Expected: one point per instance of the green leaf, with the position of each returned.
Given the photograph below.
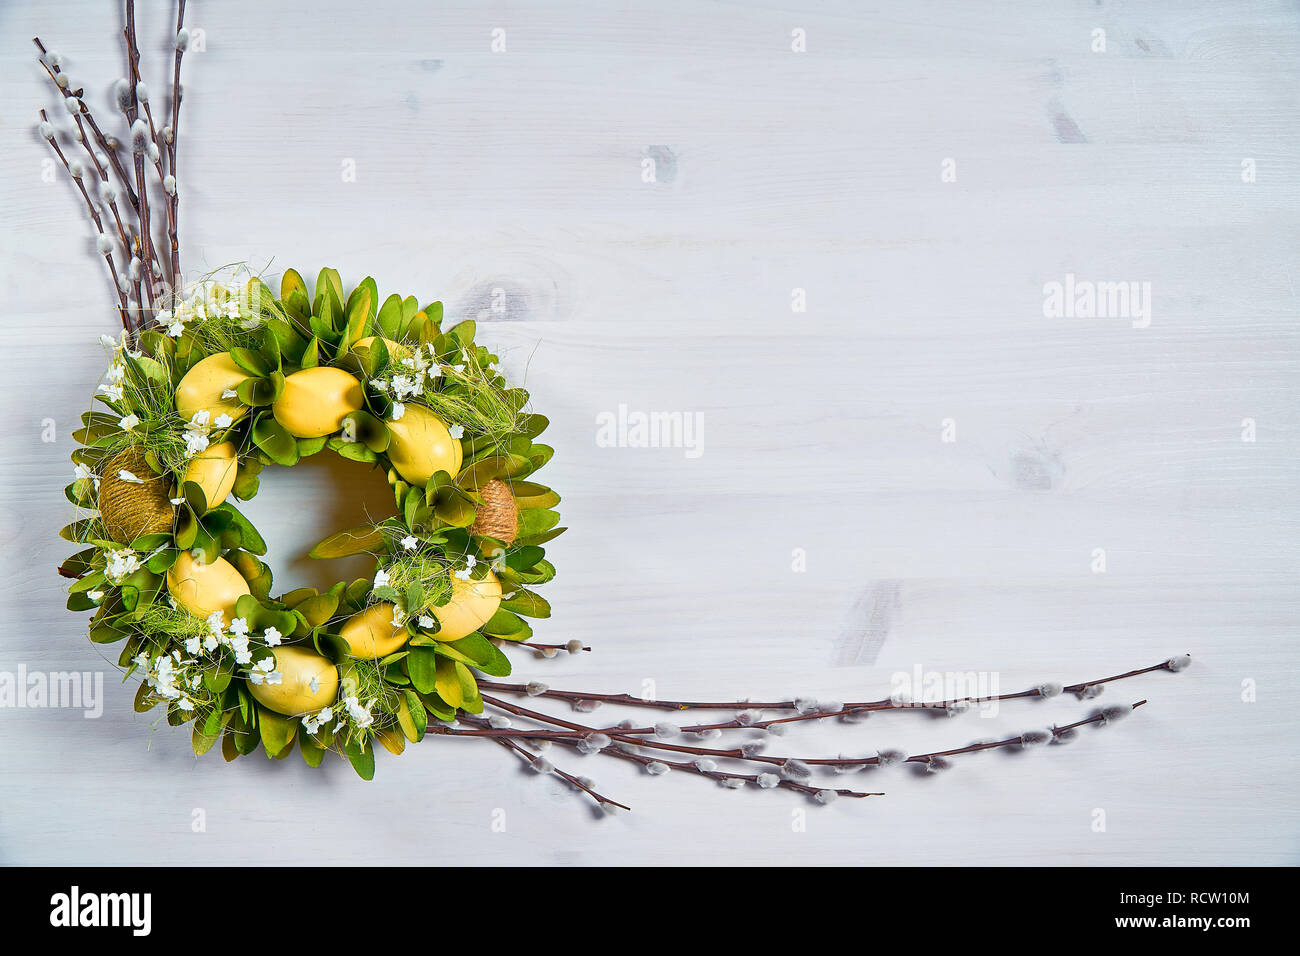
(367, 429)
(312, 754)
(361, 539)
(421, 667)
(528, 603)
(277, 731)
(411, 716)
(290, 282)
(260, 392)
(508, 626)
(194, 497)
(251, 361)
(274, 439)
(249, 538)
(311, 354)
(389, 319)
(319, 609)
(447, 682)
(362, 759)
(529, 494)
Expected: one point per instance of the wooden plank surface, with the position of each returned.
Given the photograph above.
(823, 430)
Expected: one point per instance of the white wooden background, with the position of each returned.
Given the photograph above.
(777, 170)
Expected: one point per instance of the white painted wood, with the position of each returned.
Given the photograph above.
(777, 170)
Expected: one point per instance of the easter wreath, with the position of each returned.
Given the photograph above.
(236, 380)
(214, 380)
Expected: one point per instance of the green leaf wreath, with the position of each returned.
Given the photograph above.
(237, 379)
(214, 380)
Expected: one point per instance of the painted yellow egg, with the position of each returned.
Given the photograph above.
(395, 349)
(214, 470)
(205, 588)
(370, 634)
(471, 606)
(202, 386)
(308, 683)
(421, 445)
(315, 401)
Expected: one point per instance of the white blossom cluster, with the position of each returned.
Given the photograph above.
(171, 677)
(209, 298)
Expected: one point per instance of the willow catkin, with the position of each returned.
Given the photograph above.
(497, 517)
(128, 508)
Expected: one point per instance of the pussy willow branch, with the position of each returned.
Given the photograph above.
(109, 149)
(689, 767)
(146, 254)
(851, 708)
(173, 197)
(570, 779)
(1018, 741)
(932, 761)
(99, 226)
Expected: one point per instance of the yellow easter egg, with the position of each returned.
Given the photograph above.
(203, 589)
(308, 683)
(396, 350)
(316, 400)
(472, 605)
(370, 634)
(201, 388)
(214, 470)
(420, 445)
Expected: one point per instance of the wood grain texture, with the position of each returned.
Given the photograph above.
(522, 172)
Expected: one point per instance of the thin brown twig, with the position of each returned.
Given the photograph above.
(173, 198)
(510, 741)
(850, 708)
(108, 148)
(132, 114)
(99, 226)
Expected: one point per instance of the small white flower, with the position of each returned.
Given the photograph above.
(82, 471)
(398, 411)
(239, 626)
(313, 723)
(195, 442)
(456, 431)
(185, 704)
(272, 637)
(264, 672)
(242, 654)
(381, 578)
(130, 478)
(95, 595)
(410, 543)
(223, 421)
(404, 385)
(120, 564)
(192, 645)
(229, 393)
(216, 623)
(129, 422)
(425, 621)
